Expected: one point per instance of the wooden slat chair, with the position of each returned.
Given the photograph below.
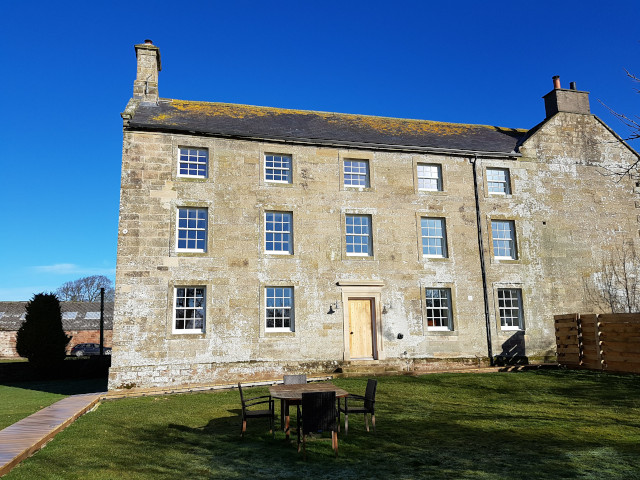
(366, 407)
(251, 402)
(284, 405)
(319, 414)
(294, 379)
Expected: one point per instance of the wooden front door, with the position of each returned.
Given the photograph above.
(361, 328)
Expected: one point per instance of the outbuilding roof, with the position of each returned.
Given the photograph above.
(75, 315)
(335, 129)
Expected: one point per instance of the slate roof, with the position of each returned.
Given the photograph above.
(337, 129)
(75, 315)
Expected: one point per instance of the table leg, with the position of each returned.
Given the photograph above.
(287, 419)
(281, 414)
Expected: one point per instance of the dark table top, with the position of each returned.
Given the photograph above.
(294, 392)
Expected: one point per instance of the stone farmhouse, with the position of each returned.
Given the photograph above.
(258, 241)
(80, 320)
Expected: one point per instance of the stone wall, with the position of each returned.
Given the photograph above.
(8, 344)
(566, 213)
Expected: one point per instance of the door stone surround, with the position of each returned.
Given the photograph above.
(363, 289)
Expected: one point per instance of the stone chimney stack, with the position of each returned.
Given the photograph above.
(145, 87)
(563, 100)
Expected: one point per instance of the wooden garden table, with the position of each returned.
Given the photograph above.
(292, 395)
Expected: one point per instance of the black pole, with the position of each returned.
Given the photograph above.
(487, 318)
(101, 322)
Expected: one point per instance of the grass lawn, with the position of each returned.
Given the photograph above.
(19, 400)
(533, 425)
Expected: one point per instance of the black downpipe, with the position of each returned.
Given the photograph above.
(485, 295)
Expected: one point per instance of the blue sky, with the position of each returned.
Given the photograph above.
(68, 70)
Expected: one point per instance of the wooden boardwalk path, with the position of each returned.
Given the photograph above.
(30, 434)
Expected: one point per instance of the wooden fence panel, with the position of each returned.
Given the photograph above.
(568, 339)
(620, 317)
(602, 342)
(591, 342)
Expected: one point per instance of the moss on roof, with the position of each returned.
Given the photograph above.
(279, 123)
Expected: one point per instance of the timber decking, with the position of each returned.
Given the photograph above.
(30, 434)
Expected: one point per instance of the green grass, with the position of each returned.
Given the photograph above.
(533, 425)
(19, 400)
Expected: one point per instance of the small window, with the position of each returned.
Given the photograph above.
(356, 173)
(438, 309)
(429, 177)
(358, 235)
(504, 239)
(510, 308)
(189, 310)
(193, 162)
(434, 237)
(498, 181)
(192, 230)
(277, 168)
(278, 230)
(279, 309)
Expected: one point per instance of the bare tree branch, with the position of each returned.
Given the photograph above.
(86, 289)
(616, 288)
(633, 125)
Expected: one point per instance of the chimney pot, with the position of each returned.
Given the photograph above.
(148, 42)
(568, 101)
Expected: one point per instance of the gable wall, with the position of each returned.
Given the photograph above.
(569, 214)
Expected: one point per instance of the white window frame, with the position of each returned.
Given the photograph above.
(430, 234)
(193, 159)
(510, 301)
(429, 177)
(504, 239)
(442, 294)
(187, 225)
(355, 234)
(183, 303)
(274, 231)
(280, 170)
(361, 173)
(498, 181)
(287, 311)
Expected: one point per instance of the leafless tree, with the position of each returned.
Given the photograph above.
(86, 289)
(616, 288)
(632, 122)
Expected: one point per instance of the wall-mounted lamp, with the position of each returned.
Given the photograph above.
(333, 307)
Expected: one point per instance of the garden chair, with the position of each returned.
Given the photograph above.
(294, 379)
(352, 404)
(251, 402)
(284, 405)
(319, 414)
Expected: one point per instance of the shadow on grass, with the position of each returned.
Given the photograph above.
(73, 376)
(431, 432)
(546, 425)
(63, 387)
(431, 449)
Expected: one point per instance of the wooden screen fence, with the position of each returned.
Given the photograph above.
(600, 342)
